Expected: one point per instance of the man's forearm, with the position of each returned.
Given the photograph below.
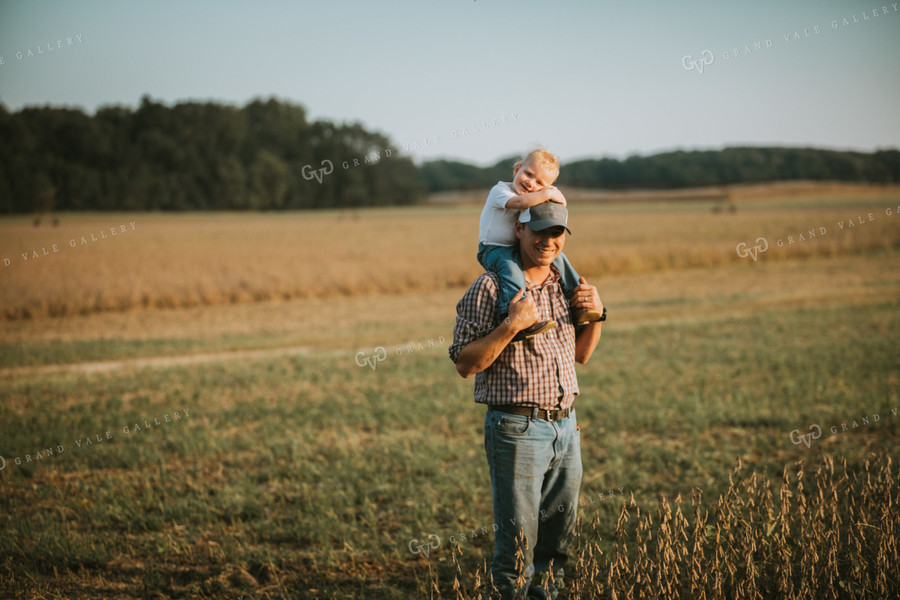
(586, 341)
(477, 356)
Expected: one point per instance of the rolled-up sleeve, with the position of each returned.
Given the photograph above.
(476, 313)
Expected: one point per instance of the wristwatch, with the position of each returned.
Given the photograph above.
(603, 316)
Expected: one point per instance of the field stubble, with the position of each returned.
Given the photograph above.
(178, 261)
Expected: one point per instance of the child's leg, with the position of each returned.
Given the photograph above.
(569, 278)
(506, 263)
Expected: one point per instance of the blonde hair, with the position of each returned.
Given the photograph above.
(541, 156)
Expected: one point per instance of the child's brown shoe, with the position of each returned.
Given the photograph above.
(539, 327)
(586, 315)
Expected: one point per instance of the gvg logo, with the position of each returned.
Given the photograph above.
(371, 360)
(690, 63)
(380, 353)
(815, 432)
(310, 173)
(416, 548)
(762, 244)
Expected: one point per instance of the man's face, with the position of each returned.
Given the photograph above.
(540, 248)
(532, 177)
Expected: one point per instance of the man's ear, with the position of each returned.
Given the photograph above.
(519, 227)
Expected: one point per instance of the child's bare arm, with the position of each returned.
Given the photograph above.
(530, 199)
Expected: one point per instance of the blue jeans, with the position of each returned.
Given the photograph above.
(506, 262)
(535, 477)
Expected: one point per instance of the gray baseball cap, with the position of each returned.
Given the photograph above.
(545, 215)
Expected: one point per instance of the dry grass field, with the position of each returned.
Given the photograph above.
(299, 473)
(202, 259)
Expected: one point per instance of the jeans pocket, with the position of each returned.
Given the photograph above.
(513, 425)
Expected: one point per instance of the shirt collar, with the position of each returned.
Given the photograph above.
(552, 277)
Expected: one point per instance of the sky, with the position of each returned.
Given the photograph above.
(479, 80)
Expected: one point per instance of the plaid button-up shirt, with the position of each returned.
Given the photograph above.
(539, 371)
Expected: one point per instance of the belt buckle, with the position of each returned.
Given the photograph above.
(550, 415)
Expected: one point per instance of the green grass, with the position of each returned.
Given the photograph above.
(58, 352)
(321, 472)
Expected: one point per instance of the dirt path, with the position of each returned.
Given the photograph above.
(157, 361)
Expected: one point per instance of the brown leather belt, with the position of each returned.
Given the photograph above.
(533, 412)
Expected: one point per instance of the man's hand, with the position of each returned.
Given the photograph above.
(478, 355)
(586, 340)
(554, 195)
(522, 311)
(586, 296)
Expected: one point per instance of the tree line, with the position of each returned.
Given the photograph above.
(267, 155)
(681, 169)
(195, 156)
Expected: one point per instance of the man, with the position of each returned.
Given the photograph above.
(530, 433)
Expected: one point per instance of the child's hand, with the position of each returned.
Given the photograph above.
(554, 195)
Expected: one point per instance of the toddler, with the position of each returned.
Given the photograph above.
(498, 246)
